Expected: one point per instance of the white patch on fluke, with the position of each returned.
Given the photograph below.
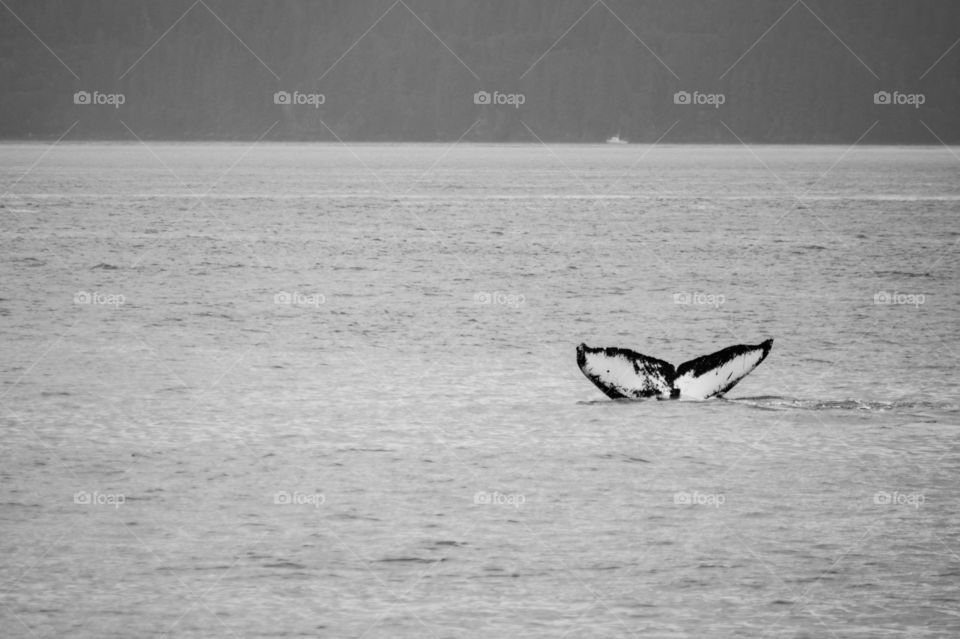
(622, 373)
(713, 379)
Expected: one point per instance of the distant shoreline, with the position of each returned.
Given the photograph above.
(918, 145)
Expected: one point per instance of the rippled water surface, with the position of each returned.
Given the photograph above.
(296, 390)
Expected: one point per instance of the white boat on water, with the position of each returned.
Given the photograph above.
(616, 139)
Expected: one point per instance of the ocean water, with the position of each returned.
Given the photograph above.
(284, 390)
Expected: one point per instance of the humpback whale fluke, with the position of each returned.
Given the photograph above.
(622, 373)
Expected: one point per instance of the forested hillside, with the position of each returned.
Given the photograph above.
(386, 70)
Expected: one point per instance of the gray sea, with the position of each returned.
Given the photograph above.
(297, 390)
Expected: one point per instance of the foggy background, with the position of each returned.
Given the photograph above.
(802, 71)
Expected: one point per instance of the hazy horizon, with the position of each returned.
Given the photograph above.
(791, 72)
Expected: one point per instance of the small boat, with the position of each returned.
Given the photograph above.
(616, 139)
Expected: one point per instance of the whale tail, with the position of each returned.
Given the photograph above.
(623, 373)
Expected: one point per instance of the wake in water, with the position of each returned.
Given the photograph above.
(778, 402)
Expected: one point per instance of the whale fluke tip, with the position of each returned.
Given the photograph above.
(581, 354)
